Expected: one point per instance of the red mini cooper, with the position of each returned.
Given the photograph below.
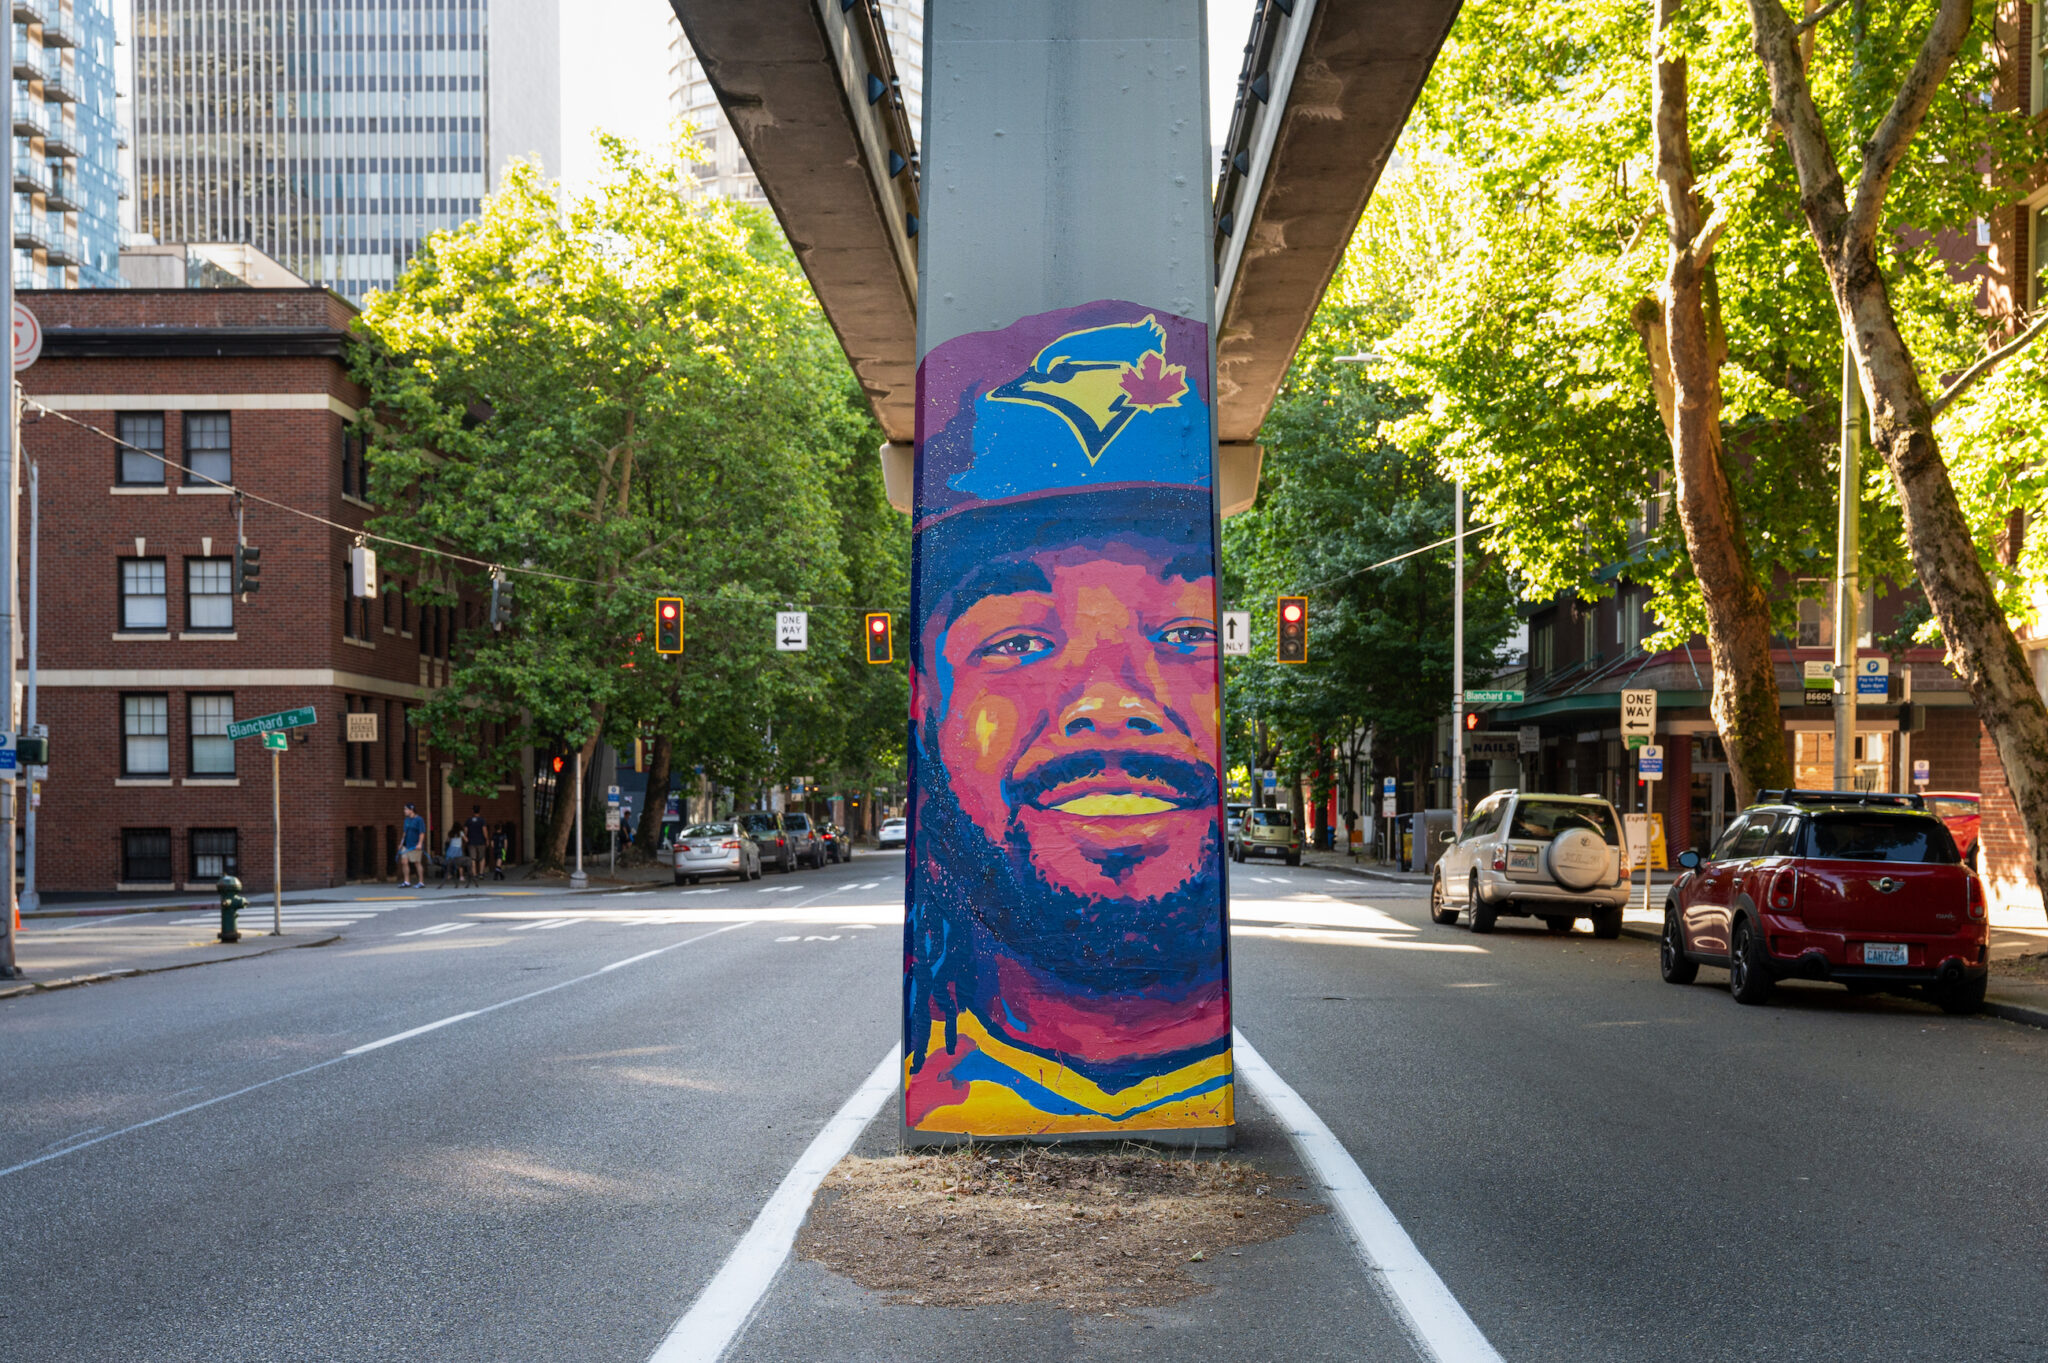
(1867, 890)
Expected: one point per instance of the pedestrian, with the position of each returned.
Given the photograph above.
(456, 863)
(476, 840)
(501, 849)
(412, 850)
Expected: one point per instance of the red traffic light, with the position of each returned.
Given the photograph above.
(558, 764)
(881, 637)
(1471, 719)
(668, 624)
(1292, 640)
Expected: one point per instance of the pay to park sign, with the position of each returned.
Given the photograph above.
(266, 724)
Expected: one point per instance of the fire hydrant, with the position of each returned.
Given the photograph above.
(231, 903)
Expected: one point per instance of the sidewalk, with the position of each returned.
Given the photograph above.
(117, 948)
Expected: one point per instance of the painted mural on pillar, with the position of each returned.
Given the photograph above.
(1066, 959)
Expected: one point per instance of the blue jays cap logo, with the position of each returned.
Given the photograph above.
(1115, 397)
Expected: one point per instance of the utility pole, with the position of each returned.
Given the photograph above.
(1458, 661)
(31, 900)
(8, 475)
(577, 879)
(1848, 551)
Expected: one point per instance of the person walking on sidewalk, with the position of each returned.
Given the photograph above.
(412, 850)
(456, 865)
(476, 841)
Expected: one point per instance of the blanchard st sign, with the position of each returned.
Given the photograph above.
(268, 724)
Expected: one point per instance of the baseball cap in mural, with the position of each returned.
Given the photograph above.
(1105, 395)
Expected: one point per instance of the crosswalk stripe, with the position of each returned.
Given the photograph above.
(437, 929)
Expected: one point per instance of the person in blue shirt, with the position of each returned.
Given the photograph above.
(412, 850)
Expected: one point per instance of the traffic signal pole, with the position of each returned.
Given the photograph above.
(1458, 660)
(1848, 587)
(8, 477)
(276, 852)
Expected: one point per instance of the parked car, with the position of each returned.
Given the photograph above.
(714, 849)
(1233, 822)
(892, 833)
(1267, 833)
(1554, 857)
(803, 836)
(767, 829)
(838, 846)
(1960, 810)
(1865, 890)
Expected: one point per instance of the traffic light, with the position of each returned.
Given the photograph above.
(1471, 720)
(248, 567)
(1293, 632)
(501, 600)
(668, 624)
(881, 637)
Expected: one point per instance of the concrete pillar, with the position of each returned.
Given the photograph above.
(1066, 874)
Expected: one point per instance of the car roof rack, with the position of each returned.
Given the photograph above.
(1875, 799)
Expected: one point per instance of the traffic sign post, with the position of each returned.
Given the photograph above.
(1638, 718)
(1873, 678)
(792, 632)
(1819, 683)
(1650, 762)
(274, 729)
(1237, 634)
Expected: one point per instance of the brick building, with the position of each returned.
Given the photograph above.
(146, 653)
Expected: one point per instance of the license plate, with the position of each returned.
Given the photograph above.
(1884, 953)
(1521, 861)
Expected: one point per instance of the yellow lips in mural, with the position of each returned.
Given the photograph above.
(1116, 804)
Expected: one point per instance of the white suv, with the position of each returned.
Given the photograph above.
(1554, 857)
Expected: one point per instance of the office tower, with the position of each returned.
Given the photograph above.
(724, 169)
(67, 179)
(335, 135)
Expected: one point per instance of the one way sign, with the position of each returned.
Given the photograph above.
(1237, 634)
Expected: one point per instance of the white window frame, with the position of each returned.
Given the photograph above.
(206, 732)
(145, 728)
(133, 574)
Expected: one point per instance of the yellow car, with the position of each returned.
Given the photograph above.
(1267, 833)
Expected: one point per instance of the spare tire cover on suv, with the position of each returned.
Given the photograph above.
(1576, 859)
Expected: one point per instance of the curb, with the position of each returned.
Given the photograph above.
(49, 986)
(2024, 1014)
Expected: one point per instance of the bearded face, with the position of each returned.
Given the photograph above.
(1071, 703)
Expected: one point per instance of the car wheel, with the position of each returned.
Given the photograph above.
(682, 879)
(1748, 979)
(1967, 997)
(1558, 923)
(755, 874)
(1607, 924)
(1294, 858)
(1484, 915)
(1672, 963)
(1439, 911)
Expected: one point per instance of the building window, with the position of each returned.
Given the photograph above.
(146, 856)
(206, 449)
(146, 734)
(405, 742)
(143, 603)
(134, 468)
(213, 752)
(2037, 240)
(355, 474)
(1542, 648)
(390, 594)
(2039, 16)
(210, 594)
(213, 853)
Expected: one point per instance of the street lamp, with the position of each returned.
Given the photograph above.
(1457, 628)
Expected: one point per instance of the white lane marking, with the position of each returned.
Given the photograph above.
(437, 928)
(730, 1299)
(407, 1035)
(1434, 1320)
(780, 889)
(871, 885)
(351, 1054)
(544, 923)
(559, 923)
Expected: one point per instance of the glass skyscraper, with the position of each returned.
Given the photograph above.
(334, 135)
(67, 177)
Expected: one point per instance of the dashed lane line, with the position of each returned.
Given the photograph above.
(730, 1299)
(364, 1049)
(1431, 1316)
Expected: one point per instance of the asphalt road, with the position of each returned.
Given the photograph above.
(1599, 1166)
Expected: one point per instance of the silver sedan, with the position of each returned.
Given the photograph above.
(715, 849)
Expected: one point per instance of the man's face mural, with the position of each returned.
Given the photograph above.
(1066, 918)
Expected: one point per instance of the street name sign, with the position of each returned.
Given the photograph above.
(792, 632)
(1493, 697)
(1873, 678)
(264, 724)
(1237, 634)
(1650, 762)
(1638, 718)
(278, 740)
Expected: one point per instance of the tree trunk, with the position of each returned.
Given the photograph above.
(651, 817)
(1981, 645)
(1745, 697)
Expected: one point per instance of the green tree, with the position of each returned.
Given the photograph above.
(625, 395)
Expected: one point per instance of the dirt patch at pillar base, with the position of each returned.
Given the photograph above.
(1086, 1231)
